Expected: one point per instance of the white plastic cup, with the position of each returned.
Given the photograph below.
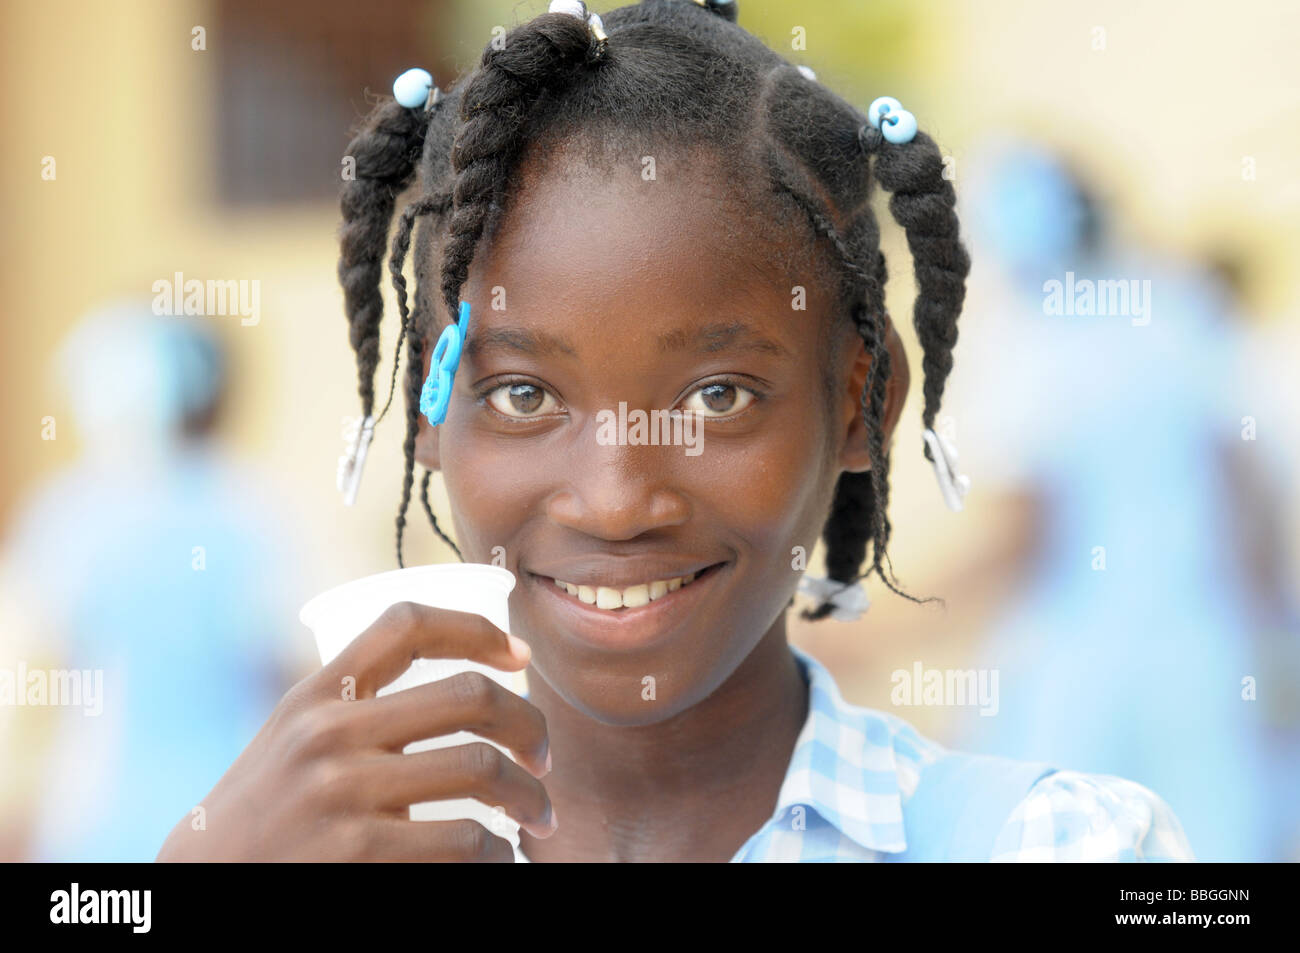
(339, 615)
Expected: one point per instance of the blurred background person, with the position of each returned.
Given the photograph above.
(1132, 646)
(160, 562)
(1264, 473)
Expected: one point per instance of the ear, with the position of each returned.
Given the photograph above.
(855, 457)
(426, 438)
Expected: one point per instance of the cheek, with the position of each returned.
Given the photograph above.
(765, 488)
(771, 491)
(491, 490)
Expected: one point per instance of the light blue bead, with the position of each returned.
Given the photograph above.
(885, 104)
(899, 127)
(411, 89)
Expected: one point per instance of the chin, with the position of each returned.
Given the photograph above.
(627, 698)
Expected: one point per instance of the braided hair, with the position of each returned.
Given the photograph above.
(673, 73)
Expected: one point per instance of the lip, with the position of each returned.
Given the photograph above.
(619, 573)
(624, 629)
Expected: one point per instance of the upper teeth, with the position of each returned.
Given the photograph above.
(605, 597)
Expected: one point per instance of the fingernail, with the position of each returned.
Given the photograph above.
(519, 648)
(555, 821)
(548, 760)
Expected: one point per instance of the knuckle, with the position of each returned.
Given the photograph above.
(313, 733)
(472, 689)
(301, 690)
(401, 615)
(329, 781)
(301, 698)
(331, 727)
(354, 840)
(484, 763)
(471, 841)
(299, 736)
(500, 851)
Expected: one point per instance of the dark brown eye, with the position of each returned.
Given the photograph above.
(719, 400)
(525, 398)
(520, 400)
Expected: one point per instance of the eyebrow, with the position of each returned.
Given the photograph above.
(722, 336)
(709, 338)
(521, 340)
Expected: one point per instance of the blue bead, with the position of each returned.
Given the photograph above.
(899, 127)
(411, 89)
(881, 106)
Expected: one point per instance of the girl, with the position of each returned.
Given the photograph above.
(652, 212)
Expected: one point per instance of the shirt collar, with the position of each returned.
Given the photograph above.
(845, 766)
(851, 765)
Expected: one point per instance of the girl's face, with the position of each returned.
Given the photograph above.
(604, 290)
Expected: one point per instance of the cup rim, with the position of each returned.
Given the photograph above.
(497, 576)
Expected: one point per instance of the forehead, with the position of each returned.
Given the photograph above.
(645, 245)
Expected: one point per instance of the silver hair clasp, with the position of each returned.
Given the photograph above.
(351, 465)
(952, 484)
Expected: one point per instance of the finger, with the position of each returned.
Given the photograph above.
(407, 631)
(468, 701)
(406, 841)
(477, 770)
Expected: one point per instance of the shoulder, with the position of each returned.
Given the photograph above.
(860, 735)
(1072, 816)
(940, 804)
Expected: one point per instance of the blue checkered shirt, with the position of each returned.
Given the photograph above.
(852, 793)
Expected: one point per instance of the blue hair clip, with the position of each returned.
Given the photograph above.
(436, 394)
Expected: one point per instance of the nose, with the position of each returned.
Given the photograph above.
(619, 493)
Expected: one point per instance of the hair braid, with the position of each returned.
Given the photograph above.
(881, 498)
(415, 363)
(385, 153)
(542, 55)
(923, 202)
(433, 520)
(396, 260)
(859, 510)
(414, 384)
(494, 107)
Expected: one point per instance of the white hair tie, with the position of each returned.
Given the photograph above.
(576, 8)
(848, 600)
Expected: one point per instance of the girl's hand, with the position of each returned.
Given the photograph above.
(325, 778)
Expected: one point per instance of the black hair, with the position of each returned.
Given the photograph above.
(672, 73)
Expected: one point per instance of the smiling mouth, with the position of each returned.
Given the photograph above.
(616, 599)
